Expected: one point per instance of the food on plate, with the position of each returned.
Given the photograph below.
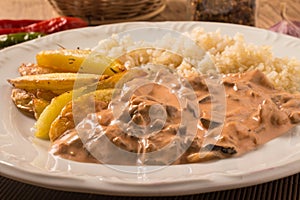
(49, 114)
(57, 83)
(260, 102)
(221, 54)
(31, 103)
(53, 110)
(255, 114)
(75, 60)
(65, 121)
(65, 60)
(23, 100)
(39, 106)
(33, 69)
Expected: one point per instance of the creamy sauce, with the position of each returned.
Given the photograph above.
(250, 114)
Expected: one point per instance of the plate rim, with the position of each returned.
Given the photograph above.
(22, 174)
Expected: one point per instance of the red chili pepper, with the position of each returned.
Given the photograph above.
(49, 26)
(7, 23)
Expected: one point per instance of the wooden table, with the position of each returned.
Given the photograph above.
(268, 11)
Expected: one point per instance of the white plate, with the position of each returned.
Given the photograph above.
(25, 158)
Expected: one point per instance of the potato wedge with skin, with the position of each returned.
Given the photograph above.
(76, 60)
(49, 114)
(88, 103)
(63, 60)
(39, 106)
(58, 83)
(44, 94)
(110, 82)
(97, 63)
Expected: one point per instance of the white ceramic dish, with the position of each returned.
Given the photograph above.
(25, 158)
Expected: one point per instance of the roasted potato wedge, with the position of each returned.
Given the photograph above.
(110, 82)
(88, 103)
(99, 64)
(83, 61)
(53, 110)
(58, 83)
(63, 60)
(33, 69)
(49, 114)
(44, 94)
(38, 106)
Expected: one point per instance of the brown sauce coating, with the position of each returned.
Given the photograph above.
(250, 114)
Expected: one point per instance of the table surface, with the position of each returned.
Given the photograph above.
(267, 15)
(268, 11)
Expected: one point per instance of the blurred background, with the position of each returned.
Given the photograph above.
(268, 12)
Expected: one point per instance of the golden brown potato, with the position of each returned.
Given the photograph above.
(38, 106)
(53, 110)
(88, 103)
(77, 60)
(48, 115)
(58, 83)
(62, 60)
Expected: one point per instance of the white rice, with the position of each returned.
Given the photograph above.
(232, 55)
(209, 52)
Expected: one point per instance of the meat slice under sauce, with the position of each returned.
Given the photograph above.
(250, 113)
